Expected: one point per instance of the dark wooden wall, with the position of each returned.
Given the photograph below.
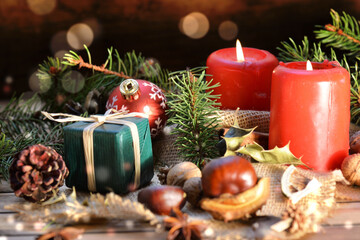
(151, 27)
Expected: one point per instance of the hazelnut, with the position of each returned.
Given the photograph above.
(181, 172)
(161, 199)
(355, 142)
(193, 190)
(350, 168)
(231, 174)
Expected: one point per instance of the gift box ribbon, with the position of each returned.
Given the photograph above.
(98, 120)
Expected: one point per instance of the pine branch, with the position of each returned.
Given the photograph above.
(20, 127)
(6, 151)
(130, 66)
(72, 61)
(291, 51)
(55, 75)
(342, 34)
(189, 109)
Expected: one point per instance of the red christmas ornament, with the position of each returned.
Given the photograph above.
(140, 96)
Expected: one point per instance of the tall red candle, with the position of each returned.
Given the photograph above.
(311, 110)
(244, 84)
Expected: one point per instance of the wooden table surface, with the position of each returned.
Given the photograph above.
(344, 224)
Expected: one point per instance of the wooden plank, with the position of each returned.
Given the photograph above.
(5, 186)
(97, 236)
(346, 213)
(10, 227)
(8, 198)
(336, 232)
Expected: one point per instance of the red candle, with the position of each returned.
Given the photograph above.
(311, 110)
(245, 84)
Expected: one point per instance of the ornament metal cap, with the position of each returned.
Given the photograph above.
(130, 89)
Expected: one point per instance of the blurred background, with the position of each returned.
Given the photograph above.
(177, 33)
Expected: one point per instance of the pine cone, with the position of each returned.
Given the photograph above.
(36, 171)
(301, 222)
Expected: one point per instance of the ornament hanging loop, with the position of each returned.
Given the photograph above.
(130, 89)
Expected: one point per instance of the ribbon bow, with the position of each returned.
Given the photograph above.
(88, 141)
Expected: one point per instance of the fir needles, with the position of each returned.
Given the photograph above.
(190, 108)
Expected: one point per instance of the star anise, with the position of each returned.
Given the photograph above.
(68, 233)
(182, 228)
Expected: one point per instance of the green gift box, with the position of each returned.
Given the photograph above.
(113, 156)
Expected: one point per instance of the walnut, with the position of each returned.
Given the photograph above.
(193, 189)
(181, 172)
(350, 168)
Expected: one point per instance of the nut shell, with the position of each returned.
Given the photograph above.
(355, 142)
(231, 174)
(181, 172)
(231, 207)
(193, 190)
(161, 199)
(350, 168)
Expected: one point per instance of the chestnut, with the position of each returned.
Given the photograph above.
(231, 174)
(161, 199)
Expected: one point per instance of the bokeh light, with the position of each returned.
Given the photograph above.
(59, 42)
(348, 224)
(78, 35)
(228, 30)
(7, 89)
(95, 26)
(19, 227)
(60, 54)
(146, 109)
(102, 174)
(194, 25)
(41, 7)
(9, 79)
(73, 82)
(38, 85)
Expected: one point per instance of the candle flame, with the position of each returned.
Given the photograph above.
(239, 52)
(309, 66)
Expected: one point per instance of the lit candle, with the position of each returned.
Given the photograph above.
(244, 75)
(311, 110)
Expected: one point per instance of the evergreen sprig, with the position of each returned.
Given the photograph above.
(6, 151)
(131, 65)
(21, 126)
(342, 34)
(291, 51)
(190, 107)
(18, 117)
(55, 74)
(51, 74)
